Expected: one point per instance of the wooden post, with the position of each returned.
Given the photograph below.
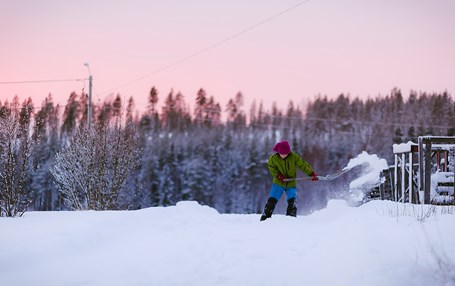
(395, 177)
(421, 157)
(410, 178)
(427, 186)
(89, 108)
(403, 176)
(451, 168)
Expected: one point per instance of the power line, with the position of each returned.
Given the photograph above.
(42, 81)
(208, 48)
(179, 61)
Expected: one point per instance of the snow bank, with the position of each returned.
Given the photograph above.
(189, 244)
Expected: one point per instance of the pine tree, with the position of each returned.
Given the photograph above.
(235, 116)
(169, 115)
(46, 195)
(201, 102)
(212, 117)
(152, 101)
(70, 115)
(130, 111)
(117, 106)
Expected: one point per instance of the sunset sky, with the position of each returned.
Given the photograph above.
(270, 50)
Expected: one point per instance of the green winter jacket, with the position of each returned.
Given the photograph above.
(288, 167)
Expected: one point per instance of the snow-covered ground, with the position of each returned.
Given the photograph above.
(379, 243)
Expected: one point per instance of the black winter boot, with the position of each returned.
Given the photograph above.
(268, 209)
(292, 208)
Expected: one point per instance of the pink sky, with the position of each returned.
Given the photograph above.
(329, 47)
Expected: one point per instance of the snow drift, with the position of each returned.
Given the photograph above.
(190, 244)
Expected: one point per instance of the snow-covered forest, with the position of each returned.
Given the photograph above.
(213, 154)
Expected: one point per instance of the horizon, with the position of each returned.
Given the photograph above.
(246, 109)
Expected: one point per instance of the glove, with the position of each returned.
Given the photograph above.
(315, 176)
(281, 178)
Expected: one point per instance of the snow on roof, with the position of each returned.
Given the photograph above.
(407, 147)
(403, 147)
(445, 147)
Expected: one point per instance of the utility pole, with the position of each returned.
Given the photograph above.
(89, 109)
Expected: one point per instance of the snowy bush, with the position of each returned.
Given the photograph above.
(91, 171)
(15, 149)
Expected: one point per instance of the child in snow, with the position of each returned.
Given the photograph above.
(283, 165)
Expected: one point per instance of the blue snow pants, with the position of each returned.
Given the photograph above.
(278, 190)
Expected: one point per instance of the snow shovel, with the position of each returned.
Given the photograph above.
(320, 178)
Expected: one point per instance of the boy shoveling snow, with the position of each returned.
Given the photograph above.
(283, 166)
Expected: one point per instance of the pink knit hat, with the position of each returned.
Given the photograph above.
(282, 148)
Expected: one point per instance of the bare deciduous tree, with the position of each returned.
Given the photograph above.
(92, 170)
(15, 149)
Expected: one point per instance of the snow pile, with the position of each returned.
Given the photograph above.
(189, 244)
(441, 190)
(370, 176)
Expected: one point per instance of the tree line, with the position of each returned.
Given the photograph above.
(51, 160)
